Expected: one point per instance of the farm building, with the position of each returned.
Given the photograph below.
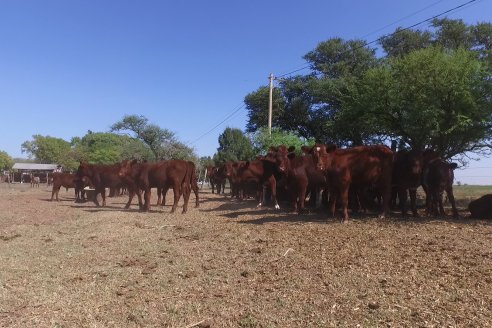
(22, 171)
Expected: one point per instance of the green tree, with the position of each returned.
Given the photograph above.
(431, 98)
(262, 140)
(257, 106)
(162, 142)
(46, 149)
(402, 41)
(233, 146)
(6, 162)
(109, 148)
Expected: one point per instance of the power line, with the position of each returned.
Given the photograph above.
(216, 126)
(391, 34)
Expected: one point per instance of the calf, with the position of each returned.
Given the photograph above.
(360, 167)
(438, 177)
(67, 180)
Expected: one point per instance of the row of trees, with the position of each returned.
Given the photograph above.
(430, 89)
(132, 137)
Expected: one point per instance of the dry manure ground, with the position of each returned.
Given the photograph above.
(228, 264)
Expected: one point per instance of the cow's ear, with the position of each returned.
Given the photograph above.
(135, 161)
(273, 149)
(453, 165)
(291, 149)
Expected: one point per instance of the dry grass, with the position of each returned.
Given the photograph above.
(228, 264)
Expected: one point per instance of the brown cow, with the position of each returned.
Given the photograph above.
(193, 183)
(67, 180)
(106, 176)
(438, 177)
(359, 167)
(174, 174)
(481, 208)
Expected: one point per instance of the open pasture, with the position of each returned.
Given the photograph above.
(229, 264)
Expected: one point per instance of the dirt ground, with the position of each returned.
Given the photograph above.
(229, 264)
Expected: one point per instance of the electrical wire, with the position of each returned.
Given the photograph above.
(394, 33)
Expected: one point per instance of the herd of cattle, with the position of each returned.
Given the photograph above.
(358, 177)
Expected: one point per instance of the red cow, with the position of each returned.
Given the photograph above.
(438, 177)
(193, 183)
(165, 174)
(106, 176)
(67, 180)
(301, 175)
(359, 167)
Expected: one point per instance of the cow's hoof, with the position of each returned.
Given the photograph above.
(277, 207)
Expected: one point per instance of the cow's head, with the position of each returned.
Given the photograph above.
(322, 155)
(126, 168)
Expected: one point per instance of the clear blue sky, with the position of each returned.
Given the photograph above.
(71, 66)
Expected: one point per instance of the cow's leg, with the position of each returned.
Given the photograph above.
(273, 186)
(344, 194)
(147, 195)
(449, 192)
(103, 195)
(54, 191)
(186, 189)
(177, 195)
(332, 202)
(402, 197)
(195, 190)
(159, 197)
(131, 193)
(413, 201)
(302, 196)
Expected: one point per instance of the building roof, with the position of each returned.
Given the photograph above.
(34, 167)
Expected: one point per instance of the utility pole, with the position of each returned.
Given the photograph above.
(270, 105)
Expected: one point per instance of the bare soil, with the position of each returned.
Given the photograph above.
(229, 264)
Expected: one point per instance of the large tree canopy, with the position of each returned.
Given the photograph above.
(431, 89)
(109, 148)
(430, 98)
(162, 142)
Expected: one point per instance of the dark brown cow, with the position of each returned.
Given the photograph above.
(301, 175)
(359, 167)
(259, 172)
(438, 177)
(217, 180)
(106, 176)
(481, 208)
(407, 175)
(165, 174)
(67, 180)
